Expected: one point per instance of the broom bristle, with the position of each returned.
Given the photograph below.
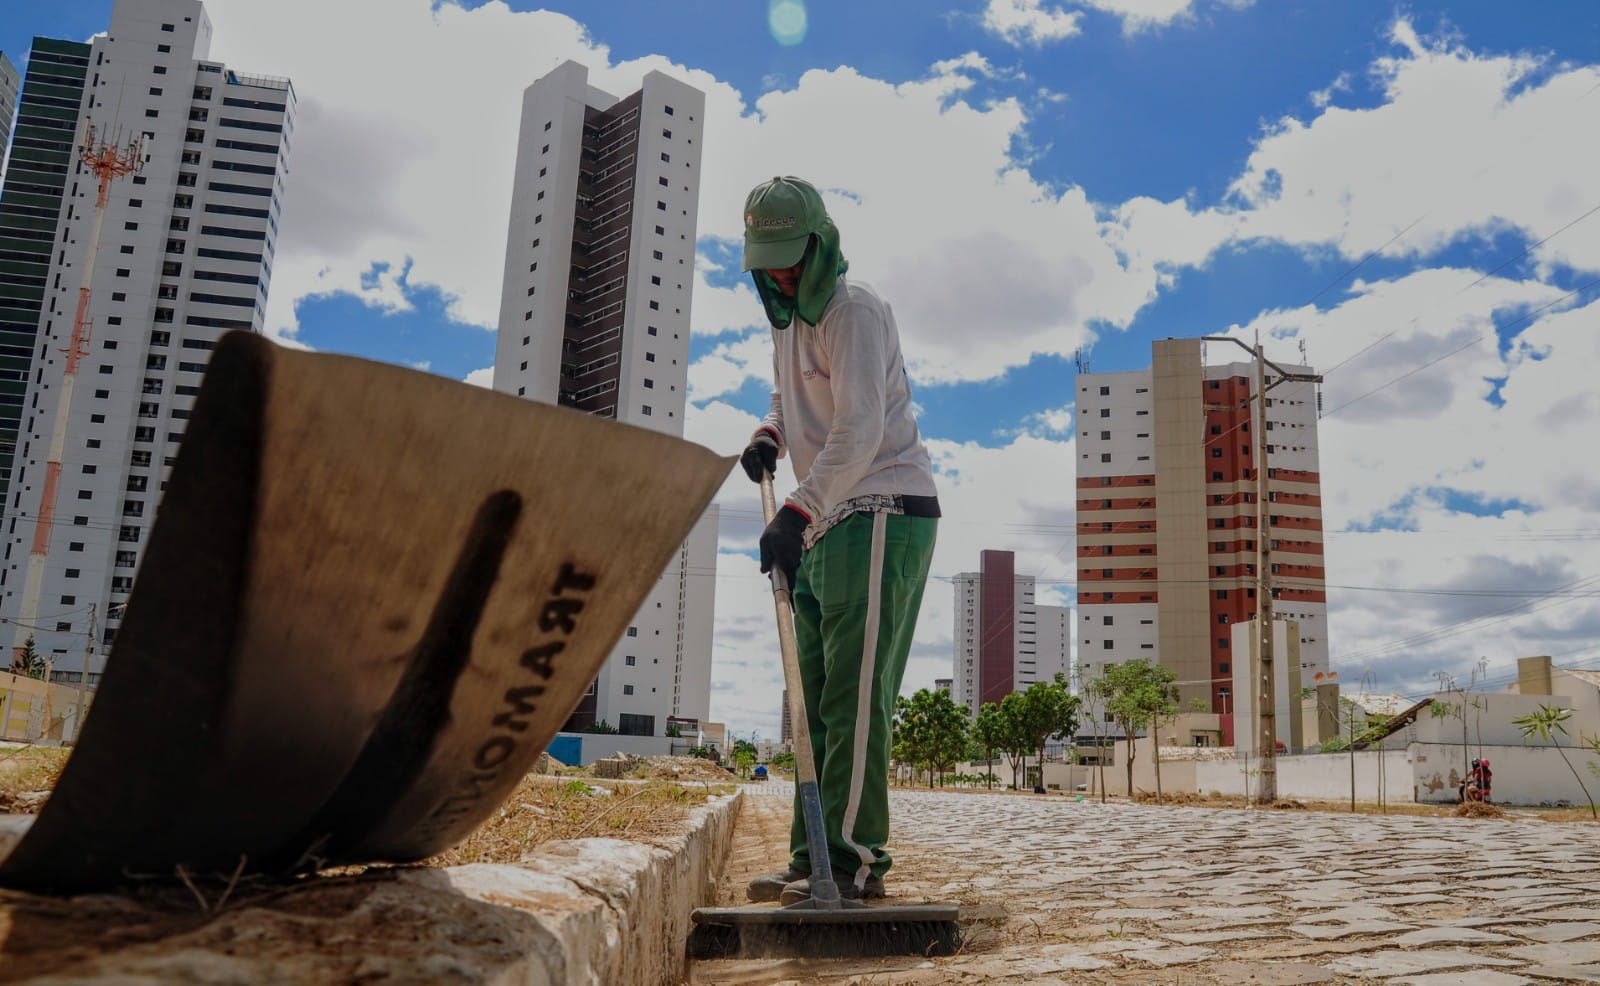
(824, 941)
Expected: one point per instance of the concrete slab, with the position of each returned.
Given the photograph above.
(1390, 962)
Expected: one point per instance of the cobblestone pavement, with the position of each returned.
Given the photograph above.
(1055, 890)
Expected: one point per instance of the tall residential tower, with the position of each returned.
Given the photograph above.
(10, 82)
(594, 316)
(1167, 517)
(184, 254)
(1004, 641)
(30, 209)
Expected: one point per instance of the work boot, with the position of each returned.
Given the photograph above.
(771, 886)
(800, 890)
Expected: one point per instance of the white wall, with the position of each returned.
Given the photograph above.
(1523, 775)
(1489, 719)
(1316, 777)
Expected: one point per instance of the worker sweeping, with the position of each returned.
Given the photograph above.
(855, 538)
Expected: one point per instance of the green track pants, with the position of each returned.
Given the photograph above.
(856, 598)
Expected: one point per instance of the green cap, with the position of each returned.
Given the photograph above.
(779, 217)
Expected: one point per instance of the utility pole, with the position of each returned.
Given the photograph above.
(107, 160)
(83, 679)
(1266, 694)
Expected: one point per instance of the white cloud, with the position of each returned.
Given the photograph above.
(1470, 144)
(1143, 15)
(1029, 22)
(1322, 97)
(481, 378)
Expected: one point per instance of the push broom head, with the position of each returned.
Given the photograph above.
(801, 932)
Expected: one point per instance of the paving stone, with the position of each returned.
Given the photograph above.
(1476, 977)
(1376, 965)
(1566, 973)
(1270, 973)
(1219, 937)
(1564, 953)
(1346, 929)
(1449, 936)
(1549, 933)
(1175, 955)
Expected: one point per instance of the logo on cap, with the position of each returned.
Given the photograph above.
(751, 221)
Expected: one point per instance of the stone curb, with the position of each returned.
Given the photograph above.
(581, 911)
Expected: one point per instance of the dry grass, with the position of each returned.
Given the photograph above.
(1478, 809)
(26, 772)
(546, 809)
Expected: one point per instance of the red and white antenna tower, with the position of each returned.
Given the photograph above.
(108, 160)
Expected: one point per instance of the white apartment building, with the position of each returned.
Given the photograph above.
(185, 254)
(594, 315)
(1004, 641)
(1167, 517)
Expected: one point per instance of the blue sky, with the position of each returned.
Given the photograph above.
(1022, 178)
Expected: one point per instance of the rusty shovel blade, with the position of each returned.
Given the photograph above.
(369, 600)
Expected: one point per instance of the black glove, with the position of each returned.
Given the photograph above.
(760, 457)
(780, 545)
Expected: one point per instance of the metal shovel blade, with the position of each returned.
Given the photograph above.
(370, 599)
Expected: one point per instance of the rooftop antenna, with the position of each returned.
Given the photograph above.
(108, 160)
(1081, 360)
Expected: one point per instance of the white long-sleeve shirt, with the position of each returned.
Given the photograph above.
(841, 409)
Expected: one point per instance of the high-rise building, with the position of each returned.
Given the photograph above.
(786, 725)
(30, 208)
(184, 254)
(10, 82)
(998, 633)
(1167, 517)
(594, 315)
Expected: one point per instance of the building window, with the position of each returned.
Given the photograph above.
(655, 279)
(1105, 456)
(630, 660)
(1105, 391)
(650, 329)
(665, 157)
(646, 409)
(1222, 618)
(662, 180)
(633, 631)
(627, 689)
(649, 357)
(1105, 412)
(1222, 642)
(1106, 645)
(667, 134)
(540, 196)
(1216, 477)
(669, 110)
(1106, 620)
(547, 124)
(661, 231)
(538, 219)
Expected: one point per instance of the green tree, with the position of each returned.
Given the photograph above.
(32, 664)
(1546, 724)
(1092, 698)
(1046, 709)
(987, 735)
(931, 730)
(1137, 693)
(744, 756)
(1014, 741)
